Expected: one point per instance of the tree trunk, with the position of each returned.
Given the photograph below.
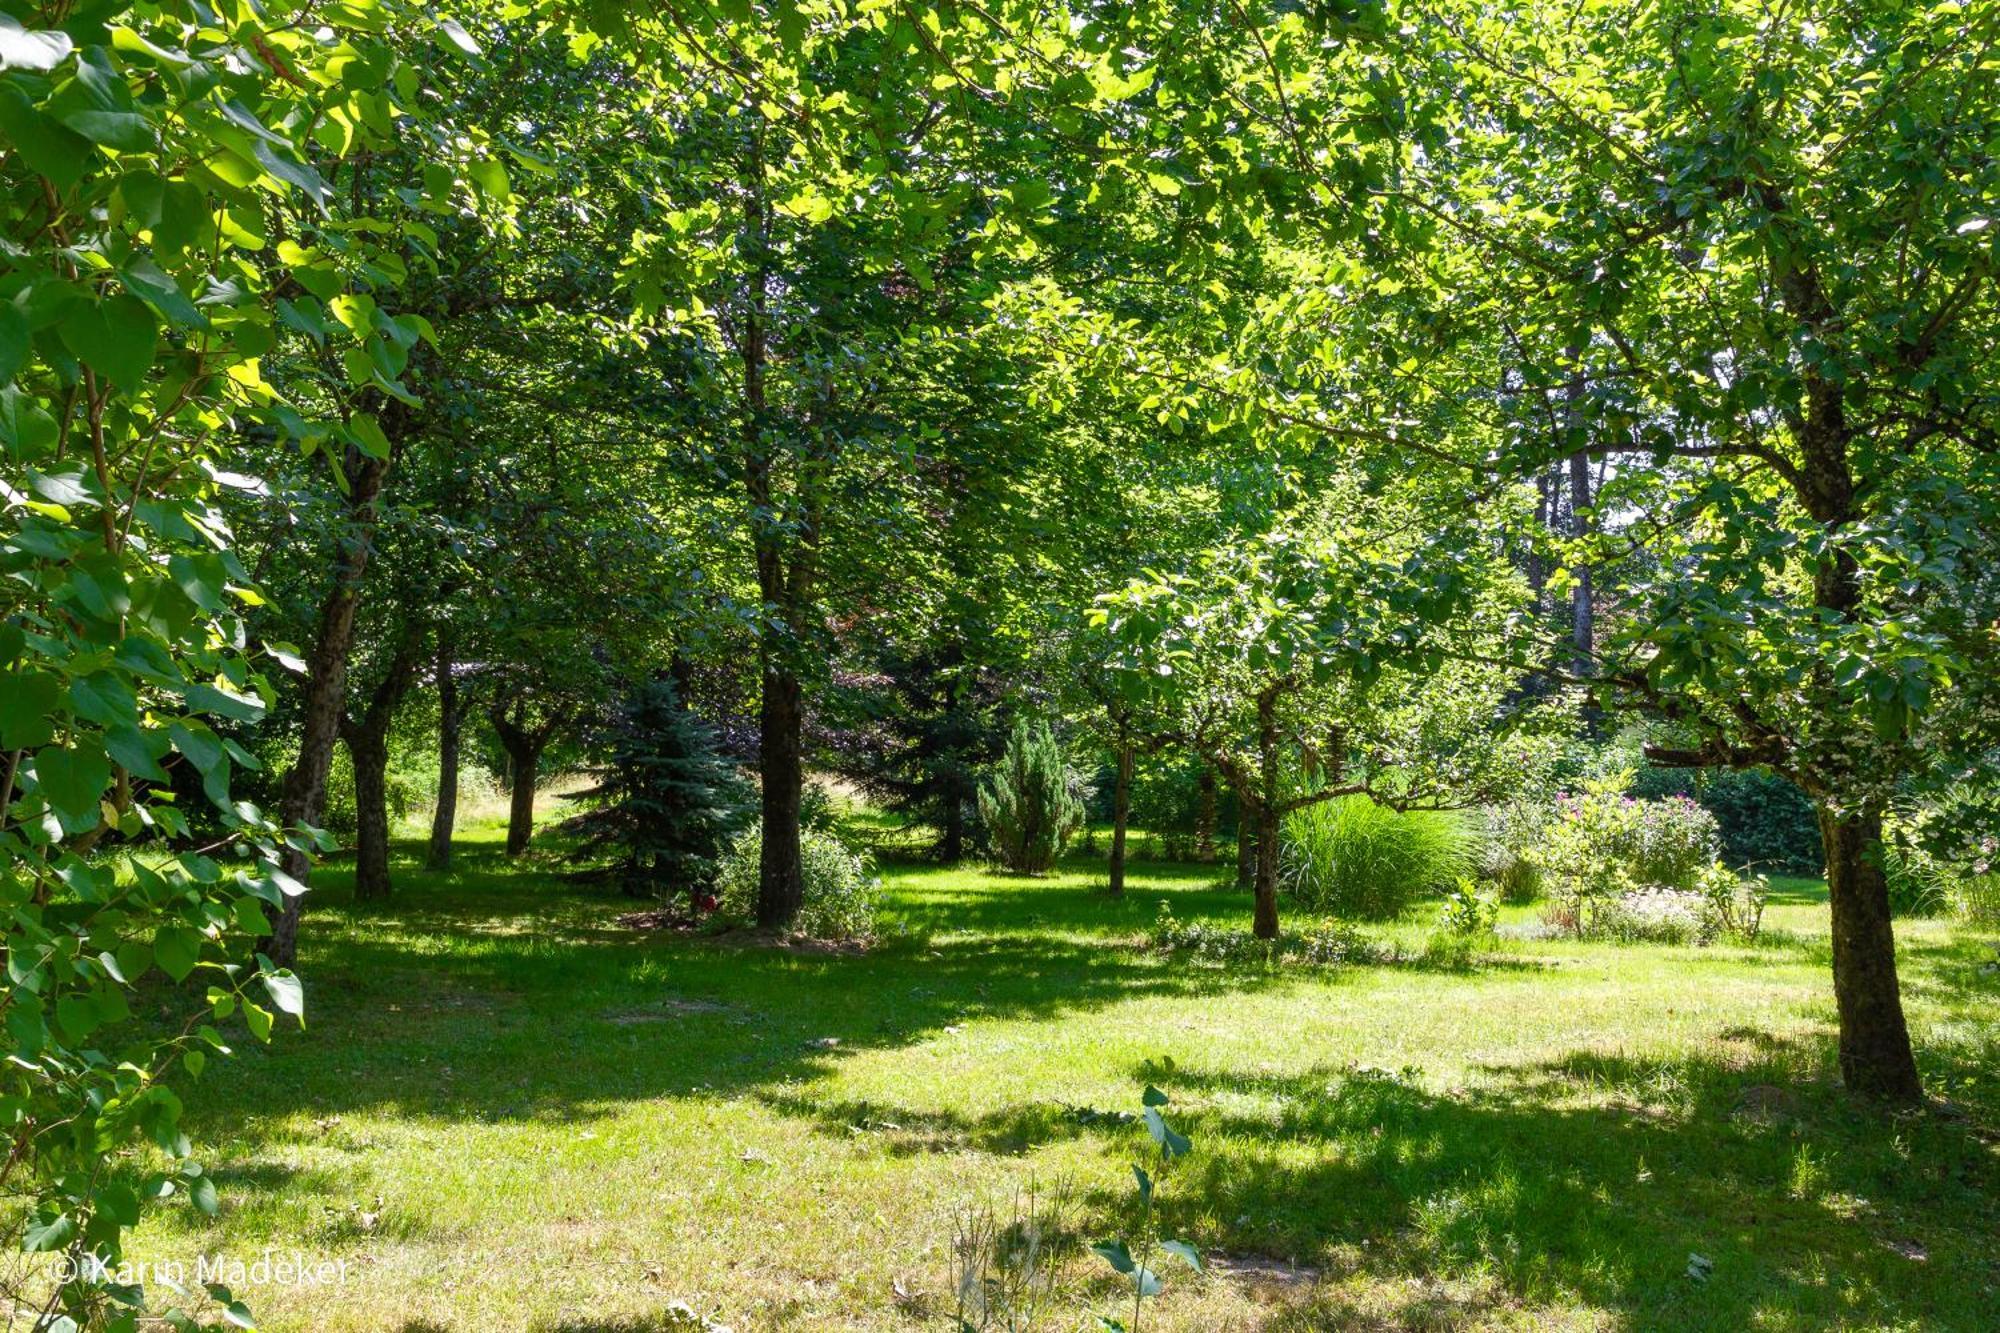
(521, 802)
(303, 794)
(951, 849)
(1204, 817)
(1121, 815)
(367, 740)
(780, 877)
(1264, 924)
(1875, 1056)
(1582, 631)
(1266, 809)
(524, 748)
(1246, 848)
(451, 721)
(370, 752)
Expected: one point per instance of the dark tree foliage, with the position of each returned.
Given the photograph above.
(665, 800)
(928, 723)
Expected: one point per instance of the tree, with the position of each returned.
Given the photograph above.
(666, 800)
(1745, 257)
(1031, 803)
(1337, 654)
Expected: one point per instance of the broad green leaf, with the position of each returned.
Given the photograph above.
(177, 949)
(22, 48)
(117, 337)
(73, 781)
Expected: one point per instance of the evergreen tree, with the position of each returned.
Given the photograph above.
(1032, 802)
(667, 799)
(929, 723)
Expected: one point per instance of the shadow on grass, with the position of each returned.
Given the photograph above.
(1598, 1176)
(1590, 1178)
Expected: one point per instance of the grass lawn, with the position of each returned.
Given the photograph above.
(509, 1113)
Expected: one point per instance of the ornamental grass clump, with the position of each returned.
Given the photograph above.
(1352, 857)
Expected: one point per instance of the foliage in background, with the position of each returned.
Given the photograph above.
(1357, 858)
(841, 890)
(1467, 912)
(1032, 801)
(1166, 804)
(666, 800)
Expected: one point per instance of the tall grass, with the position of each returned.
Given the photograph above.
(1354, 858)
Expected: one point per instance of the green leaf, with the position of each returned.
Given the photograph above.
(177, 949)
(137, 752)
(1116, 1253)
(28, 702)
(60, 154)
(77, 1015)
(1183, 1251)
(72, 781)
(55, 1234)
(27, 432)
(116, 337)
(23, 48)
(13, 340)
(1171, 1143)
(287, 993)
(97, 104)
(224, 703)
(459, 37)
(201, 1193)
(1153, 1097)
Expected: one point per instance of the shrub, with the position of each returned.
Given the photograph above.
(1355, 858)
(1735, 905)
(1032, 802)
(1673, 841)
(1466, 913)
(1762, 819)
(1323, 946)
(840, 892)
(1507, 855)
(1920, 885)
(1166, 804)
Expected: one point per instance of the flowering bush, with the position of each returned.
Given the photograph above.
(1629, 869)
(840, 891)
(1674, 840)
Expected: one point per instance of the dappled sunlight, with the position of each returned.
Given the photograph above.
(1543, 1138)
